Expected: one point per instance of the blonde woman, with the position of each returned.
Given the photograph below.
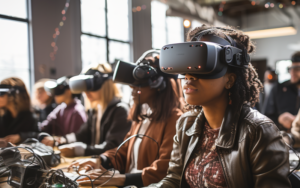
(107, 122)
(43, 104)
(16, 120)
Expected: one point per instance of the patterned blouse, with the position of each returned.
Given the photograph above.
(204, 168)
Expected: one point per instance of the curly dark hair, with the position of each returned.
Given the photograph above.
(247, 86)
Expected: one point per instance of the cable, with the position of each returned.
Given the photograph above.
(54, 141)
(114, 170)
(129, 138)
(108, 179)
(296, 155)
(92, 183)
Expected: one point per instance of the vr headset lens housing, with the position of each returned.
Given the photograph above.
(4, 91)
(81, 83)
(56, 87)
(133, 74)
(202, 59)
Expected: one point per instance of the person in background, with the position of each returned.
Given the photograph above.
(270, 80)
(107, 122)
(43, 104)
(284, 100)
(69, 115)
(142, 161)
(17, 122)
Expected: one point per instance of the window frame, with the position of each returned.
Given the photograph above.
(108, 39)
(29, 37)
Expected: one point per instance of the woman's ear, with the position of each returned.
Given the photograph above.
(231, 79)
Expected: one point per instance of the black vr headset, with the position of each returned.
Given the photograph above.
(207, 56)
(57, 87)
(141, 73)
(92, 80)
(10, 90)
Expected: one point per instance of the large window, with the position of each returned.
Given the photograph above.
(165, 30)
(282, 70)
(105, 31)
(14, 40)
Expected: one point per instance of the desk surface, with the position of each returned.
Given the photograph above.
(66, 162)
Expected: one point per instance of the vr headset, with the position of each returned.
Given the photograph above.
(142, 73)
(92, 80)
(207, 56)
(10, 90)
(57, 87)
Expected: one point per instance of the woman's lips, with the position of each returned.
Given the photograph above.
(190, 90)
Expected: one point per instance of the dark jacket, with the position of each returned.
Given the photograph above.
(113, 128)
(249, 146)
(42, 114)
(24, 124)
(283, 98)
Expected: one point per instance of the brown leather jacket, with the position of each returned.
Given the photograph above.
(250, 149)
(154, 169)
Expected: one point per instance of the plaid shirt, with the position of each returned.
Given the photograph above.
(204, 168)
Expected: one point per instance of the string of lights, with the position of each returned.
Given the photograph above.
(139, 8)
(221, 8)
(57, 30)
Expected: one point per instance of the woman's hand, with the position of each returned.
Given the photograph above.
(14, 138)
(67, 151)
(48, 141)
(286, 119)
(117, 179)
(87, 164)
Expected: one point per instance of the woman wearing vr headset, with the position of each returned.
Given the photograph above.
(221, 141)
(68, 116)
(107, 122)
(141, 159)
(16, 119)
(42, 103)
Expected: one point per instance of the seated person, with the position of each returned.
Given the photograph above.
(107, 122)
(284, 100)
(222, 142)
(141, 161)
(293, 138)
(16, 120)
(43, 104)
(69, 115)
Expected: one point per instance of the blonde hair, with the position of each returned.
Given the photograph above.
(20, 100)
(108, 91)
(40, 84)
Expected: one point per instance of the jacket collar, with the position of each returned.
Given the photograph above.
(228, 128)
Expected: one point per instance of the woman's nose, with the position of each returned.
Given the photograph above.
(190, 77)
